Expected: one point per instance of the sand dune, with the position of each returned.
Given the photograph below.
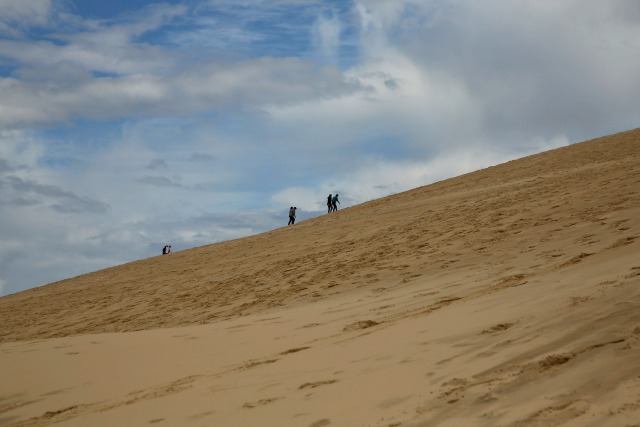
(505, 297)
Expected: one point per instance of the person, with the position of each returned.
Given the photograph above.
(292, 215)
(329, 204)
(335, 202)
(165, 250)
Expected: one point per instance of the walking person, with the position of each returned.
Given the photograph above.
(335, 202)
(329, 204)
(292, 215)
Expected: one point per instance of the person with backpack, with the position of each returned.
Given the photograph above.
(292, 215)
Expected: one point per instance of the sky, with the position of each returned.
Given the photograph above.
(126, 125)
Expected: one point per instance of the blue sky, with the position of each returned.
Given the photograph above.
(128, 125)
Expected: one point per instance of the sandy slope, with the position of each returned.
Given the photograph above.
(505, 297)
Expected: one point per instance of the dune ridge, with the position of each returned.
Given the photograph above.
(504, 297)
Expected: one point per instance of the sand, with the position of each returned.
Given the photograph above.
(505, 297)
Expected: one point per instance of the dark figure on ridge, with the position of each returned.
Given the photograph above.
(292, 215)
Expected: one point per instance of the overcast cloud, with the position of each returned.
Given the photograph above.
(128, 125)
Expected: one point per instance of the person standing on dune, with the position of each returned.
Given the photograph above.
(292, 215)
(329, 204)
(335, 202)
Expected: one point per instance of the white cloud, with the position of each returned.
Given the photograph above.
(21, 147)
(18, 14)
(529, 65)
(202, 89)
(326, 32)
(99, 46)
(414, 106)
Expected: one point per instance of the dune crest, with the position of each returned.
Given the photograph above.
(505, 297)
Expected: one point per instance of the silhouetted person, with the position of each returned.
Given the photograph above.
(292, 215)
(329, 204)
(166, 249)
(334, 203)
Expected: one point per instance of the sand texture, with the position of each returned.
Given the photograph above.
(505, 297)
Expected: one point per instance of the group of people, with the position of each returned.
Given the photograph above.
(332, 206)
(332, 203)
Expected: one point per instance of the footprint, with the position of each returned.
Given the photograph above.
(576, 259)
(261, 402)
(294, 350)
(363, 324)
(498, 328)
(311, 325)
(623, 242)
(201, 415)
(635, 272)
(253, 363)
(382, 307)
(316, 384)
(555, 360)
(54, 392)
(575, 301)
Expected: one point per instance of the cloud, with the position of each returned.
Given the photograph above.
(99, 46)
(157, 164)
(528, 66)
(6, 167)
(104, 71)
(158, 181)
(20, 14)
(238, 28)
(203, 89)
(201, 157)
(17, 191)
(326, 32)
(61, 74)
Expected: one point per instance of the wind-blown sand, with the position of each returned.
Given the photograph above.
(504, 297)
